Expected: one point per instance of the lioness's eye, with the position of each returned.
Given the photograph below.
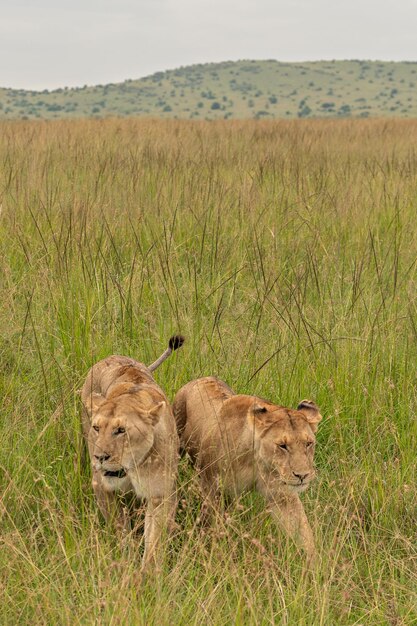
(283, 446)
(119, 431)
(96, 428)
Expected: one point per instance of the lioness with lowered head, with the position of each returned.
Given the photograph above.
(244, 442)
(133, 443)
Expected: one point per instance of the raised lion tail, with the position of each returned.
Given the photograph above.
(174, 343)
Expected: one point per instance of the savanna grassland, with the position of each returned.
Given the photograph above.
(286, 253)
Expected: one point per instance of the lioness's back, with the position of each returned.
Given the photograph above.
(196, 404)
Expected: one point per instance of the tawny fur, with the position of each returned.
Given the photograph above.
(242, 442)
(133, 445)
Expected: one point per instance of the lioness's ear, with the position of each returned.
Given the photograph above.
(156, 411)
(311, 412)
(94, 402)
(259, 415)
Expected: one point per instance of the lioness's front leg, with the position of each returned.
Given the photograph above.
(159, 517)
(288, 511)
(108, 504)
(210, 491)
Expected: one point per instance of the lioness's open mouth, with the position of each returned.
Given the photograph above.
(116, 474)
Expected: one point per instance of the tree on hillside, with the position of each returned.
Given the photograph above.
(344, 110)
(304, 111)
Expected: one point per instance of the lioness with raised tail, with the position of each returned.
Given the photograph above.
(242, 442)
(133, 442)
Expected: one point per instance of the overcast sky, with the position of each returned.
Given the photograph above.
(57, 43)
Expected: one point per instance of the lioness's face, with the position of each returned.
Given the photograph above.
(121, 438)
(287, 443)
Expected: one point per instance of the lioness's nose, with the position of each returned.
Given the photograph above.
(300, 476)
(102, 457)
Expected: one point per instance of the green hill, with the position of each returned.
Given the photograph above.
(241, 89)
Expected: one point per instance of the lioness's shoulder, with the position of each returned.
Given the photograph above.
(214, 387)
(208, 388)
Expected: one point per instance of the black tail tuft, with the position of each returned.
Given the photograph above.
(176, 342)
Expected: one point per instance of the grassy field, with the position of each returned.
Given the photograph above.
(235, 90)
(286, 253)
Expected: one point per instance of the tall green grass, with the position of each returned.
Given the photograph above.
(286, 253)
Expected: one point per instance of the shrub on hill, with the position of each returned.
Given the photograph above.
(261, 114)
(304, 112)
(344, 110)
